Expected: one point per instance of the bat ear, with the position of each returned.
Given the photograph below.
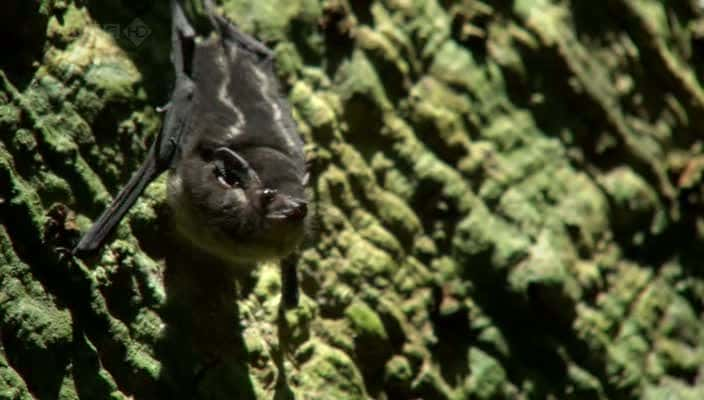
(232, 169)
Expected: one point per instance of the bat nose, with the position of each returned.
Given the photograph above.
(296, 211)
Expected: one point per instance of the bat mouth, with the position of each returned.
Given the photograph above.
(281, 207)
(294, 211)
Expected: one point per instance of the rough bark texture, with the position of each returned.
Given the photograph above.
(509, 205)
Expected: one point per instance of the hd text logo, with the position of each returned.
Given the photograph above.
(135, 33)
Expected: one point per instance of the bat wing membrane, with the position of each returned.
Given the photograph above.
(94, 238)
(164, 150)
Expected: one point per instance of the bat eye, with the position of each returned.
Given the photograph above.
(268, 195)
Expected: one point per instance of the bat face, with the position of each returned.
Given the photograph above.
(222, 205)
(237, 190)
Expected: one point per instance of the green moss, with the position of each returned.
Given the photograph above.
(21, 195)
(357, 76)
(314, 110)
(430, 384)
(431, 94)
(398, 370)
(334, 190)
(55, 188)
(487, 378)
(543, 267)
(9, 117)
(330, 374)
(585, 384)
(143, 362)
(272, 19)
(337, 333)
(366, 260)
(677, 356)
(365, 322)
(114, 79)
(41, 331)
(493, 338)
(69, 27)
(632, 200)
(11, 384)
(395, 213)
(144, 213)
(626, 356)
(299, 319)
(670, 388)
(269, 282)
(68, 389)
(629, 190)
(480, 233)
(398, 374)
(371, 230)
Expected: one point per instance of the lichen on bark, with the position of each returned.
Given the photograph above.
(508, 204)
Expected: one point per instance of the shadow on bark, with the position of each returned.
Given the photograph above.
(202, 351)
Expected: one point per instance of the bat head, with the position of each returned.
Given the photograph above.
(242, 206)
(233, 172)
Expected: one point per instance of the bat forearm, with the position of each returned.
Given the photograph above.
(108, 220)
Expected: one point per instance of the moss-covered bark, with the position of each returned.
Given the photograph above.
(508, 205)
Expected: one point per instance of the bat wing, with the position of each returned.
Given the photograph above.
(104, 225)
(164, 151)
(177, 120)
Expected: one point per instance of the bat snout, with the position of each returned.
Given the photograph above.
(297, 211)
(287, 208)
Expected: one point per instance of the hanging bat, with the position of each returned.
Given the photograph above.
(237, 171)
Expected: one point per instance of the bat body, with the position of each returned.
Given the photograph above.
(236, 163)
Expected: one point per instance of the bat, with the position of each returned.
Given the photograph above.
(237, 170)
